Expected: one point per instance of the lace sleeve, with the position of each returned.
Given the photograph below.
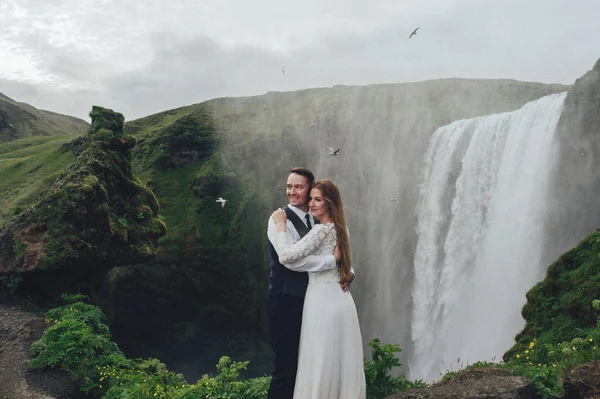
(289, 252)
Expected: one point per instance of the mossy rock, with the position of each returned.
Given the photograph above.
(560, 306)
(96, 216)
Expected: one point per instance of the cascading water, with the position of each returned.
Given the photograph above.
(480, 231)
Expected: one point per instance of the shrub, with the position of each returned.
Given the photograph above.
(380, 382)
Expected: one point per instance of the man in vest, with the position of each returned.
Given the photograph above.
(288, 287)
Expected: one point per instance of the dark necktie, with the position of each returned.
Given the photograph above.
(307, 216)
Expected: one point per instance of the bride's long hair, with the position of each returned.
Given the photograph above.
(331, 195)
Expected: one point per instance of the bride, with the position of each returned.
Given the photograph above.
(330, 363)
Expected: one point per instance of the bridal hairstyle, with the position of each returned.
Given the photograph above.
(331, 195)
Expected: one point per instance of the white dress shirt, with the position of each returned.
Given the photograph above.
(310, 263)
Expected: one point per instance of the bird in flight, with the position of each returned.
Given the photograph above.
(393, 199)
(222, 201)
(282, 71)
(413, 33)
(333, 152)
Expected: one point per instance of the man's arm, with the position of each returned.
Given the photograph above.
(310, 263)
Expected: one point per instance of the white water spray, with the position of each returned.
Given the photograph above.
(480, 231)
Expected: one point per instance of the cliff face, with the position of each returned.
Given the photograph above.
(94, 217)
(383, 132)
(19, 120)
(561, 303)
(576, 189)
(208, 283)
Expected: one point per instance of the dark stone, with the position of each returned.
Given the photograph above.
(476, 384)
(583, 382)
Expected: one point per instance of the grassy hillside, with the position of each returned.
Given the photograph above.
(27, 167)
(20, 120)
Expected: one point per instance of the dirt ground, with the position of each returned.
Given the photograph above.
(20, 325)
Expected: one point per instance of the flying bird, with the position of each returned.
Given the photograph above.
(282, 71)
(333, 152)
(413, 33)
(222, 201)
(393, 199)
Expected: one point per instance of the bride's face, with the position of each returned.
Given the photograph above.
(317, 205)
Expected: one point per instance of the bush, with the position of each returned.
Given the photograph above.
(79, 341)
(380, 382)
(545, 362)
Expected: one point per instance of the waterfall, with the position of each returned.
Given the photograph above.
(480, 230)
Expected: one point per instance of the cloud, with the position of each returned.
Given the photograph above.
(144, 57)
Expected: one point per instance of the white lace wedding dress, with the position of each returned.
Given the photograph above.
(330, 363)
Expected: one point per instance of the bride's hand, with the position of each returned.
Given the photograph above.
(280, 219)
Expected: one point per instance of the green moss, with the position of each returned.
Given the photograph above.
(82, 214)
(19, 248)
(560, 307)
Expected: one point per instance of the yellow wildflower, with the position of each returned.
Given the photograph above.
(531, 344)
(518, 356)
(527, 351)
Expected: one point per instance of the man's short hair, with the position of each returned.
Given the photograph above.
(306, 173)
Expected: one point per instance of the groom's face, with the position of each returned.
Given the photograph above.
(297, 190)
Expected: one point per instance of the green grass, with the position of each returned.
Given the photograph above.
(27, 166)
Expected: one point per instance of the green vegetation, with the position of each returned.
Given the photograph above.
(548, 364)
(28, 167)
(78, 340)
(73, 225)
(181, 156)
(380, 382)
(559, 306)
(562, 329)
(10, 283)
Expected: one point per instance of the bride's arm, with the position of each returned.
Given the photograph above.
(310, 263)
(289, 252)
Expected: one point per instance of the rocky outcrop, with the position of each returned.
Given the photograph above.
(576, 188)
(94, 217)
(476, 384)
(583, 382)
(560, 304)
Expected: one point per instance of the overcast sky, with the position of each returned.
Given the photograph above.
(145, 56)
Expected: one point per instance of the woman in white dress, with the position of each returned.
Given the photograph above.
(330, 362)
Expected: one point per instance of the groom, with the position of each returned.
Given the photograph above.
(287, 287)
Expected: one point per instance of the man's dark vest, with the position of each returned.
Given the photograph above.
(281, 279)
